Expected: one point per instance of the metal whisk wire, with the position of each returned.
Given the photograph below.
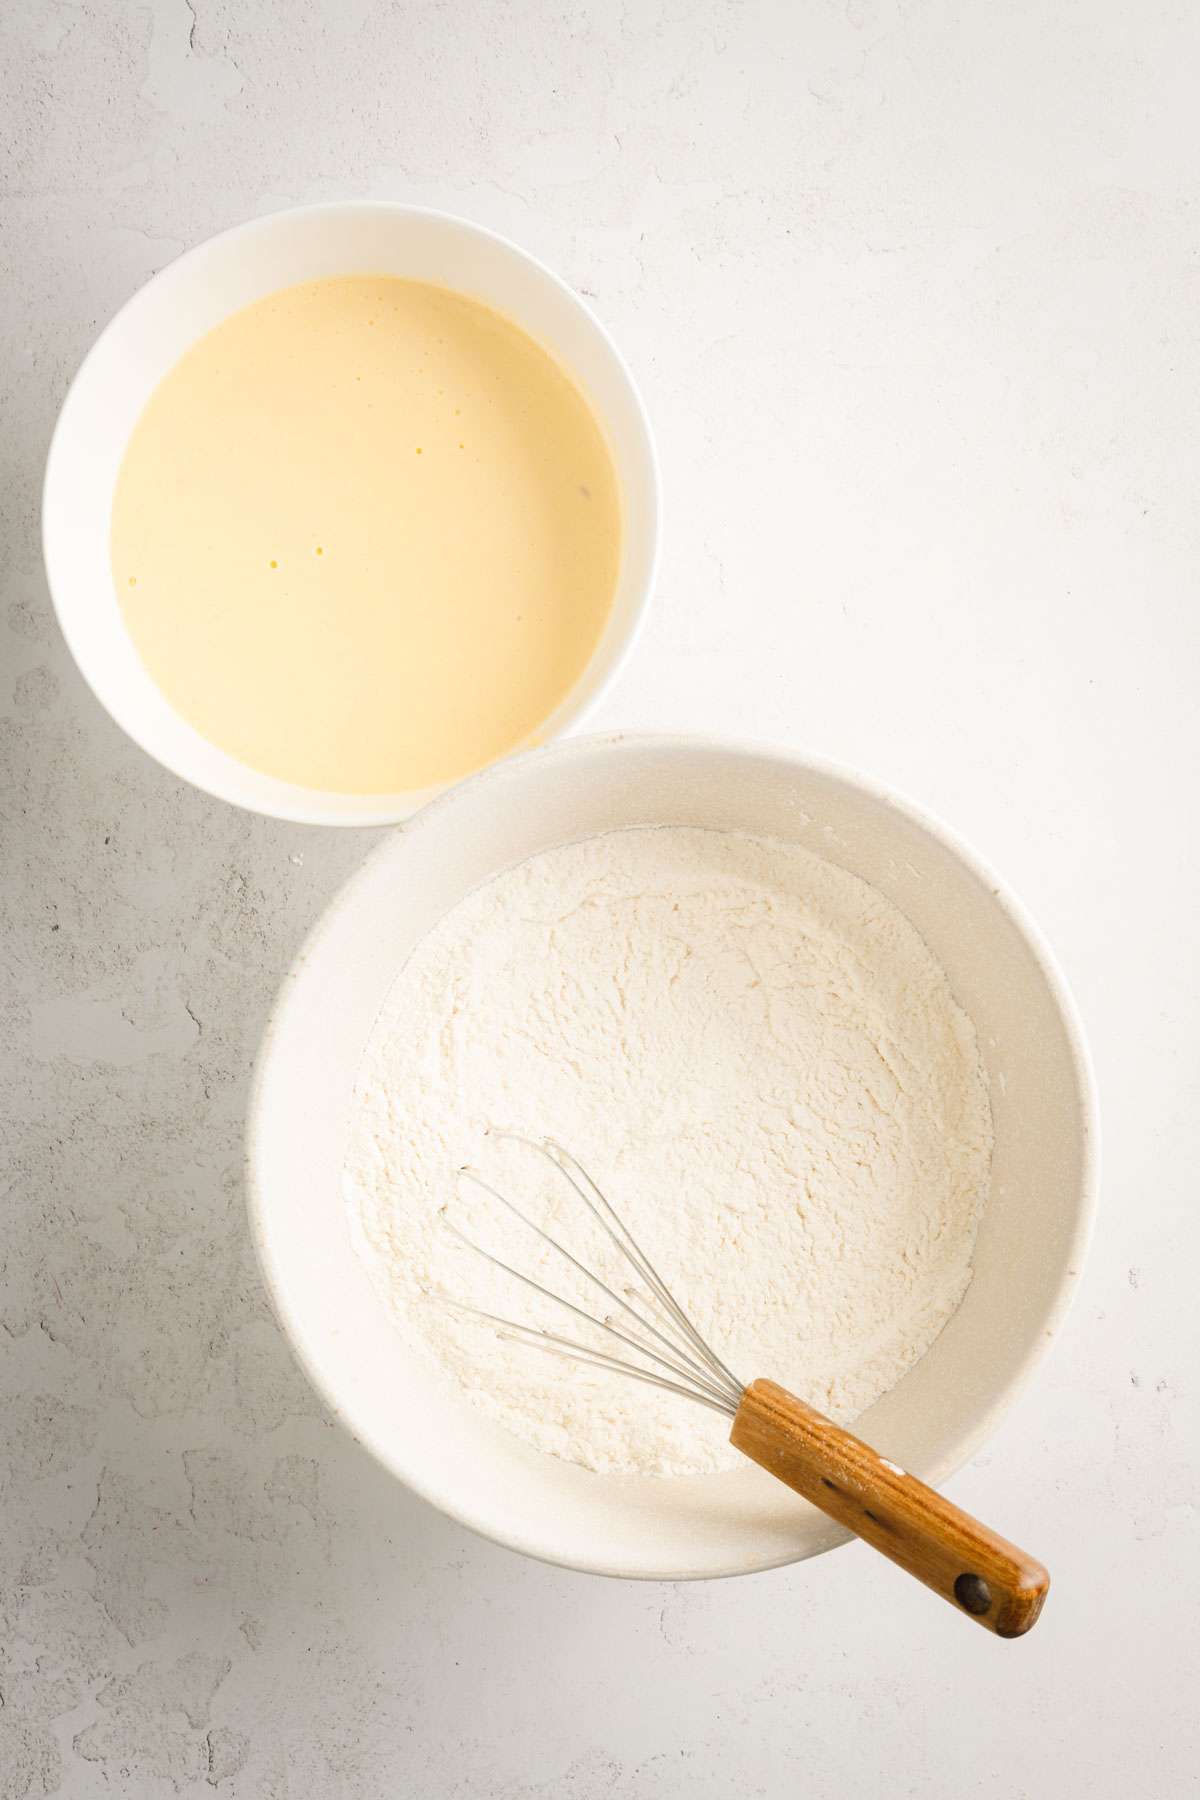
(692, 1368)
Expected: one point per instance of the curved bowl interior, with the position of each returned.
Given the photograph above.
(1030, 1243)
(196, 293)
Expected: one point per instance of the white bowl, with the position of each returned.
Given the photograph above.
(1031, 1242)
(190, 297)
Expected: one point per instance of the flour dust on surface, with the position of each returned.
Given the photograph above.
(761, 1063)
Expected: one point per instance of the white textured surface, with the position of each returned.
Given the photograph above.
(912, 293)
(761, 1064)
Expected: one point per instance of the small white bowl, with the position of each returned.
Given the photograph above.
(190, 297)
(1031, 1242)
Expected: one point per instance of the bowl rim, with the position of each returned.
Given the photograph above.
(312, 811)
(509, 769)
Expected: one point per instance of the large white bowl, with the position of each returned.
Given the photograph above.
(190, 297)
(1031, 1242)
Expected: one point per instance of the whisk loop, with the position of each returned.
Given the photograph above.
(682, 1362)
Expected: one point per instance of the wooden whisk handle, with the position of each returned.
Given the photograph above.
(980, 1573)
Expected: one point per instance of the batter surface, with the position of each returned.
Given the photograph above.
(366, 535)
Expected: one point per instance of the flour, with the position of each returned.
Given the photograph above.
(760, 1062)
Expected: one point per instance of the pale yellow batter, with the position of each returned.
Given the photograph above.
(366, 535)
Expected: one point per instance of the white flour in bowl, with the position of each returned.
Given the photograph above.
(760, 1062)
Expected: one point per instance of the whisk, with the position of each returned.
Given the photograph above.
(654, 1341)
